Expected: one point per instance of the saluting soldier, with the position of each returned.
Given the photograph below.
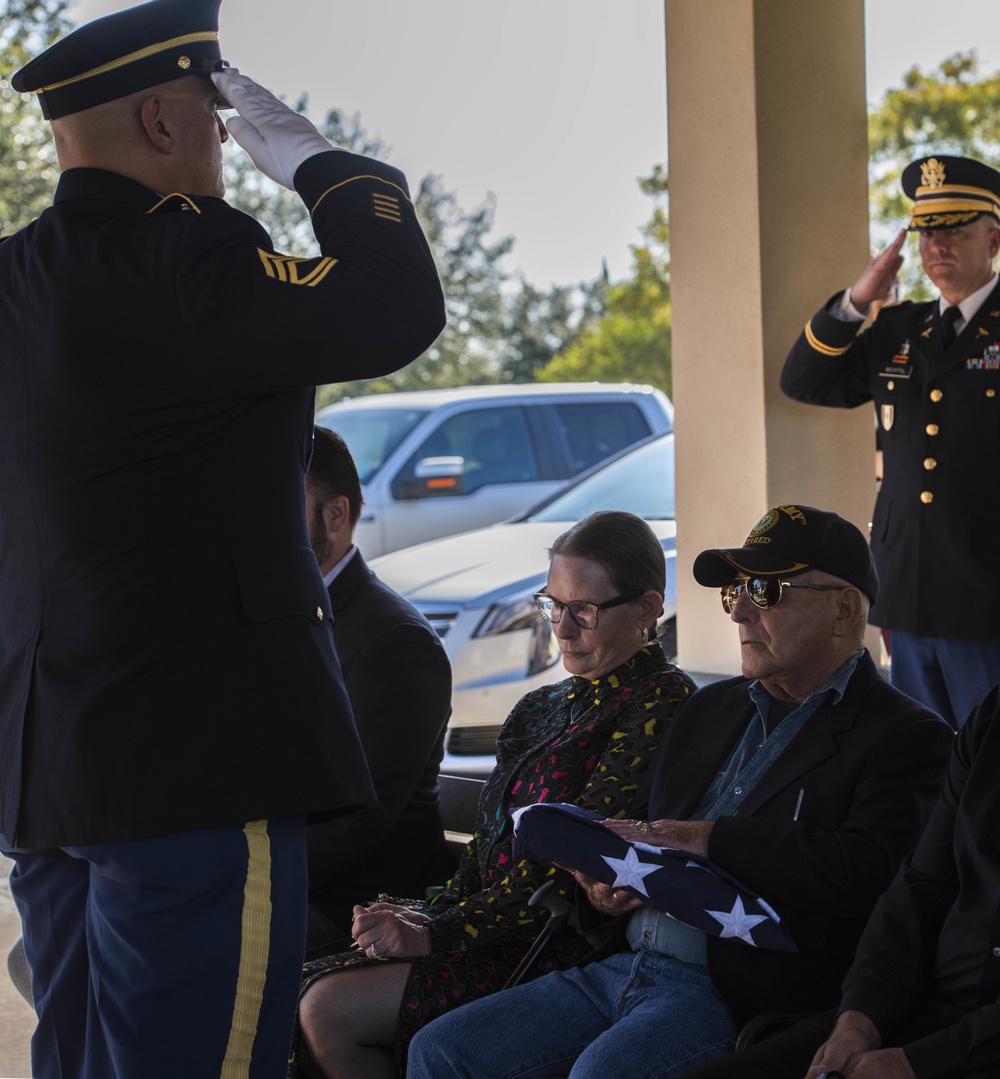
(171, 705)
(933, 372)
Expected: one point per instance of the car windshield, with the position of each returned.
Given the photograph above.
(641, 482)
(371, 434)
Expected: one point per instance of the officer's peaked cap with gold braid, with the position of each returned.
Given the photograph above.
(950, 191)
(122, 53)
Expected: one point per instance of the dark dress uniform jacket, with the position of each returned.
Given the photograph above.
(936, 527)
(868, 767)
(166, 650)
(399, 682)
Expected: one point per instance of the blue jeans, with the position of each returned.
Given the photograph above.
(639, 1015)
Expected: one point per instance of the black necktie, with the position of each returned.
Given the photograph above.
(950, 316)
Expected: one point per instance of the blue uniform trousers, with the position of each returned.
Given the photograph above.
(947, 674)
(174, 956)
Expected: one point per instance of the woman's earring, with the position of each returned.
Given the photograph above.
(645, 635)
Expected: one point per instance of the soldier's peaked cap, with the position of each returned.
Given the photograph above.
(122, 53)
(950, 191)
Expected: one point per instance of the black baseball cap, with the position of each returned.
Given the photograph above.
(122, 53)
(789, 540)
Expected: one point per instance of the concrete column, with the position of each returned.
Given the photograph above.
(767, 135)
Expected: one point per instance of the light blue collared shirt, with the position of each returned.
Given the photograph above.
(746, 765)
(329, 577)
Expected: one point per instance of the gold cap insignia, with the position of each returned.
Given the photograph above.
(932, 173)
(184, 62)
(765, 524)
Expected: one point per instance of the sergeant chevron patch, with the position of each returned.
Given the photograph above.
(295, 271)
(386, 206)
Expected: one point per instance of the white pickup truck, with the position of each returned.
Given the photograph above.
(438, 462)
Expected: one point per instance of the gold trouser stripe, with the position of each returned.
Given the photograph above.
(133, 57)
(816, 344)
(254, 948)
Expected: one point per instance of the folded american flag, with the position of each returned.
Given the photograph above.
(681, 885)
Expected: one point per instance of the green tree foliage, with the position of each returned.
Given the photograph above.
(631, 343)
(28, 169)
(474, 345)
(541, 324)
(954, 109)
(279, 210)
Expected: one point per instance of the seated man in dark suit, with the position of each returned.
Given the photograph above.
(399, 682)
(808, 779)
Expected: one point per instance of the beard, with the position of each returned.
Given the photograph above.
(318, 539)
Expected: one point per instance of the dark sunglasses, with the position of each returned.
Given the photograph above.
(764, 592)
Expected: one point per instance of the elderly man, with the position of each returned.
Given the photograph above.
(807, 779)
(933, 371)
(171, 707)
(397, 845)
(922, 1000)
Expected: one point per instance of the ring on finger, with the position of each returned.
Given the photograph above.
(643, 826)
(374, 952)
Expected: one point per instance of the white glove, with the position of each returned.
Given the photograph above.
(277, 139)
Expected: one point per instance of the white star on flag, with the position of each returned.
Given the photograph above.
(629, 871)
(736, 922)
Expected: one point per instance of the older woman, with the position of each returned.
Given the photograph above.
(587, 740)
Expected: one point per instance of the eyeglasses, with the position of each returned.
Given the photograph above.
(582, 613)
(764, 592)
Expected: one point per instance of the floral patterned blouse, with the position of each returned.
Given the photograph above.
(586, 741)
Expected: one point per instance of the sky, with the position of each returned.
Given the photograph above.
(554, 108)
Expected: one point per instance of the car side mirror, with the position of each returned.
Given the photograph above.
(434, 477)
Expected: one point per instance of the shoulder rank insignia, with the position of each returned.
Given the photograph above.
(295, 271)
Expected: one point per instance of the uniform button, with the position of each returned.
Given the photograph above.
(929, 463)
(991, 393)
(649, 936)
(926, 497)
(319, 613)
(936, 395)
(996, 952)
(737, 790)
(890, 385)
(931, 428)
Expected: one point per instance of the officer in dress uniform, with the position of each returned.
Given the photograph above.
(933, 372)
(171, 706)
